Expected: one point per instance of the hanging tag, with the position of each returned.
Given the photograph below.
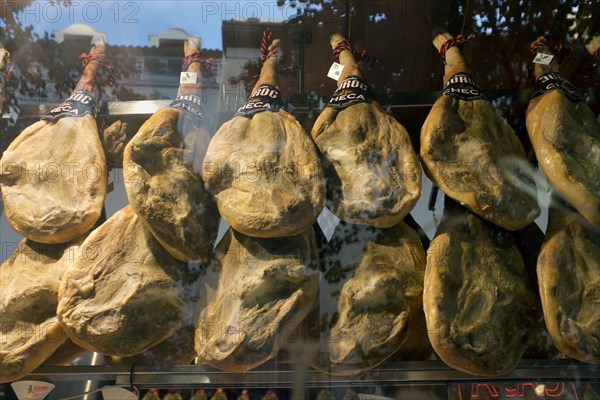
(31, 390)
(188, 77)
(544, 59)
(335, 71)
(117, 393)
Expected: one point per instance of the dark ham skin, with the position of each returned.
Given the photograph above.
(264, 171)
(163, 167)
(66, 198)
(471, 153)
(373, 174)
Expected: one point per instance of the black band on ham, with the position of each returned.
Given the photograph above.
(462, 86)
(352, 90)
(192, 107)
(265, 98)
(78, 104)
(555, 80)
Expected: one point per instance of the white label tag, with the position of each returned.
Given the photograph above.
(117, 393)
(363, 396)
(31, 390)
(544, 59)
(188, 77)
(335, 71)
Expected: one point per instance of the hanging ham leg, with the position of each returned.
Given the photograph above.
(472, 154)
(372, 298)
(568, 271)
(53, 175)
(565, 135)
(266, 288)
(372, 172)
(476, 299)
(124, 293)
(162, 165)
(28, 298)
(262, 167)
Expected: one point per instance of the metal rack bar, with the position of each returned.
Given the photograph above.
(285, 375)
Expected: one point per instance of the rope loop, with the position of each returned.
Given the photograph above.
(457, 41)
(105, 68)
(345, 45)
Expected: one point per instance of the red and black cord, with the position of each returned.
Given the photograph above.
(560, 49)
(457, 41)
(105, 68)
(345, 45)
(197, 57)
(267, 40)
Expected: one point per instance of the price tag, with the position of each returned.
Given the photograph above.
(31, 390)
(335, 71)
(188, 77)
(544, 59)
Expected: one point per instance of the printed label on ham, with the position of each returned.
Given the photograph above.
(79, 103)
(353, 90)
(462, 86)
(192, 107)
(554, 80)
(265, 98)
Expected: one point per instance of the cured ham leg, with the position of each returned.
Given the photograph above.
(28, 298)
(163, 165)
(471, 153)
(53, 175)
(266, 288)
(372, 300)
(262, 167)
(372, 172)
(565, 135)
(568, 271)
(476, 299)
(124, 293)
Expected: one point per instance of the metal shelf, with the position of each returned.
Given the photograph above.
(287, 376)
